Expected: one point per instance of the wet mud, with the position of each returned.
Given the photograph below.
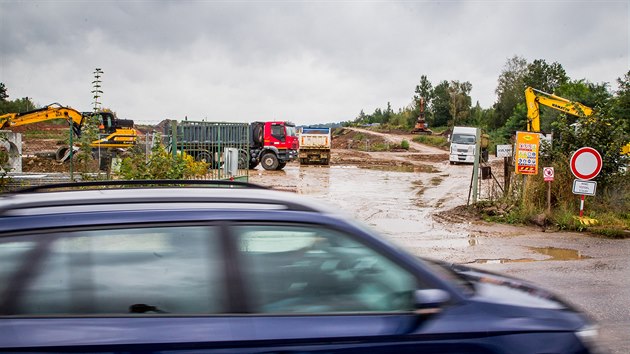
(423, 210)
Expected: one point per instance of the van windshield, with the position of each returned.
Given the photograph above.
(463, 139)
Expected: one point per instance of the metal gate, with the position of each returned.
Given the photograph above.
(223, 146)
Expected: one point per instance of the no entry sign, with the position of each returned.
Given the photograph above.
(586, 163)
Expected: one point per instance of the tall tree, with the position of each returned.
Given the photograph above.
(3, 93)
(441, 113)
(425, 90)
(621, 108)
(545, 77)
(460, 102)
(510, 90)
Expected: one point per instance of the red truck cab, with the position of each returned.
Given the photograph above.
(273, 144)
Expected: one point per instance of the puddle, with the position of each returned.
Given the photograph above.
(559, 254)
(502, 260)
(555, 254)
(390, 168)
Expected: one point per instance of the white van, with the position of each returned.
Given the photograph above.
(463, 145)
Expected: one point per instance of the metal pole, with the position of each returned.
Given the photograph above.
(582, 206)
(549, 197)
(174, 138)
(476, 165)
(71, 154)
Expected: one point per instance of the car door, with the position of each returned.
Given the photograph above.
(312, 289)
(155, 288)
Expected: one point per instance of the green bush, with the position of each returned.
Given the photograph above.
(161, 165)
(404, 144)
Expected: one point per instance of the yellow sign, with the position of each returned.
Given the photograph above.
(527, 145)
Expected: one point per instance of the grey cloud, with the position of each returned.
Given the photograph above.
(311, 58)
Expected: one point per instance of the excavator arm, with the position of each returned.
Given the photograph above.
(50, 112)
(534, 98)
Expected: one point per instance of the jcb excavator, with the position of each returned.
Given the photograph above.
(534, 98)
(118, 133)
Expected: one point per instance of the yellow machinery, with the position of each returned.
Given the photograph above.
(534, 98)
(116, 133)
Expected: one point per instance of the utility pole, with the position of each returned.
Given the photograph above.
(96, 94)
(96, 91)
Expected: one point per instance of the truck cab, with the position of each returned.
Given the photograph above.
(273, 144)
(463, 142)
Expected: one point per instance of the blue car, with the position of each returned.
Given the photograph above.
(229, 267)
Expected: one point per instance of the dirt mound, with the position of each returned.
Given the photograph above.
(349, 139)
(457, 215)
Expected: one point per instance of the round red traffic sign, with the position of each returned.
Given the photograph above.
(586, 163)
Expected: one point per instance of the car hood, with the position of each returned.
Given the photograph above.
(514, 304)
(485, 286)
(502, 289)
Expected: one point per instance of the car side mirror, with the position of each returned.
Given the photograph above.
(430, 301)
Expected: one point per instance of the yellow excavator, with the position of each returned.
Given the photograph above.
(116, 133)
(534, 98)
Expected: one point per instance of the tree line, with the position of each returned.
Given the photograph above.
(449, 103)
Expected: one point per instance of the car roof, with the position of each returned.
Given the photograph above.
(122, 195)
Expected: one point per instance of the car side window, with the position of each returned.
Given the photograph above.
(306, 269)
(174, 270)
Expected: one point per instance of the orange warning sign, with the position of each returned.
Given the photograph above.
(527, 145)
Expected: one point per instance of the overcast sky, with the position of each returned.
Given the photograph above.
(308, 62)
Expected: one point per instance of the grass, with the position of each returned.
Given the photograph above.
(432, 140)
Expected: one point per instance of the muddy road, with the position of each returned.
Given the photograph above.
(410, 196)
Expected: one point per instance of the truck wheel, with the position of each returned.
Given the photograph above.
(281, 165)
(242, 160)
(269, 161)
(203, 156)
(253, 164)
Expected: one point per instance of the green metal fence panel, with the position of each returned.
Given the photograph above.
(218, 144)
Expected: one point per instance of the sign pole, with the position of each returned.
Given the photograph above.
(548, 177)
(549, 197)
(582, 206)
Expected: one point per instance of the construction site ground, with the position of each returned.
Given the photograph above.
(417, 200)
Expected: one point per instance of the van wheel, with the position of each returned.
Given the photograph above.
(269, 161)
(452, 162)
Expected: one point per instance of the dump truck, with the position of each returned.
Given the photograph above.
(315, 145)
(271, 144)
